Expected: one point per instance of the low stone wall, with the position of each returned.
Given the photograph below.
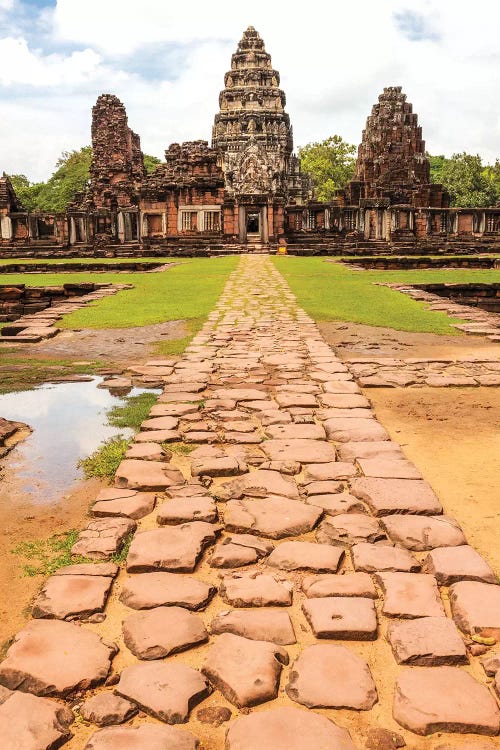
(484, 296)
(17, 300)
(91, 266)
(405, 263)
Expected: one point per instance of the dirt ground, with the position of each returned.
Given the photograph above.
(22, 520)
(453, 436)
(356, 340)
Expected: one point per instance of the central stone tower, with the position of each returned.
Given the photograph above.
(253, 138)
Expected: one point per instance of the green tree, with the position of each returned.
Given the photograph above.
(150, 163)
(330, 164)
(26, 191)
(468, 181)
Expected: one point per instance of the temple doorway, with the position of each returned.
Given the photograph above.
(253, 225)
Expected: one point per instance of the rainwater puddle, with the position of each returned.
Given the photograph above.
(69, 421)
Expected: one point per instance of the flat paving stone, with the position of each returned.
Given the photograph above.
(148, 452)
(107, 708)
(329, 471)
(331, 676)
(142, 737)
(288, 400)
(301, 450)
(286, 728)
(427, 642)
(112, 501)
(166, 690)
(230, 555)
(256, 590)
(158, 436)
(423, 532)
(220, 466)
(296, 432)
(322, 558)
(159, 632)
(174, 548)
(348, 529)
(410, 595)
(475, 607)
(273, 517)
(51, 657)
(344, 618)
(31, 723)
(348, 401)
(337, 504)
(257, 624)
(347, 430)
(322, 487)
(452, 564)
(135, 474)
(72, 597)
(260, 483)
(392, 468)
(161, 423)
(149, 590)
(183, 509)
(349, 584)
(374, 449)
(108, 570)
(444, 699)
(246, 672)
(386, 496)
(240, 394)
(103, 537)
(371, 558)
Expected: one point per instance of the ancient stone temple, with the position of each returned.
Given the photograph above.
(246, 192)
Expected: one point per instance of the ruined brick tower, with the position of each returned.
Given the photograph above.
(253, 137)
(117, 168)
(392, 166)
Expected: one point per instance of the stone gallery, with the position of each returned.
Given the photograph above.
(246, 191)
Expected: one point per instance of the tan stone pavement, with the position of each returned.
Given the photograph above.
(298, 586)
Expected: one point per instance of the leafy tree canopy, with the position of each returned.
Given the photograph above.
(469, 182)
(330, 164)
(71, 176)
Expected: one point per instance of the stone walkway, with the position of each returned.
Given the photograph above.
(298, 585)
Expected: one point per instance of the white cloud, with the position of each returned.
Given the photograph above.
(334, 59)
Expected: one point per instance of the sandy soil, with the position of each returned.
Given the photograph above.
(22, 520)
(452, 435)
(356, 340)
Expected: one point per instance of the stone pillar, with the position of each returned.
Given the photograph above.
(121, 227)
(264, 231)
(6, 228)
(72, 230)
(242, 223)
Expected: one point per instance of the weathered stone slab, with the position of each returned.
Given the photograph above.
(296, 432)
(161, 423)
(333, 470)
(30, 723)
(423, 532)
(348, 401)
(51, 657)
(106, 708)
(256, 590)
(184, 509)
(410, 595)
(475, 608)
(322, 558)
(286, 729)
(228, 555)
(386, 496)
(330, 412)
(288, 400)
(158, 436)
(257, 624)
(346, 618)
(444, 699)
(374, 449)
(391, 468)
(148, 452)
(108, 570)
(103, 537)
(142, 737)
(337, 504)
(135, 474)
(347, 430)
(260, 483)
(166, 690)
(350, 584)
(72, 597)
(149, 590)
(331, 676)
(427, 642)
(112, 501)
(219, 466)
(240, 394)
(325, 487)
(273, 517)
(371, 558)
(348, 529)
(301, 450)
(159, 632)
(246, 672)
(175, 548)
(453, 564)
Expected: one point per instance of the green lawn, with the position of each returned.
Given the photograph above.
(332, 291)
(76, 261)
(187, 291)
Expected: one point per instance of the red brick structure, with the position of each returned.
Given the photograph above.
(246, 192)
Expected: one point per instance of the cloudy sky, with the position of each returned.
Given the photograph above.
(166, 61)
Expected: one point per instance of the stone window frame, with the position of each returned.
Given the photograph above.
(185, 218)
(311, 219)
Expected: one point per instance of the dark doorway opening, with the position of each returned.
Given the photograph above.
(253, 223)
